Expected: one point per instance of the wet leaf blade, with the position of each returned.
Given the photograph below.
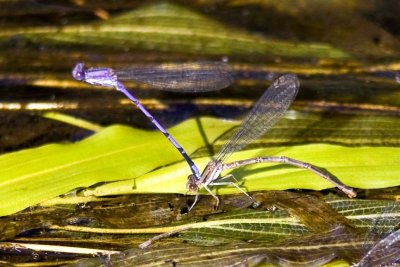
(120, 153)
(114, 153)
(359, 167)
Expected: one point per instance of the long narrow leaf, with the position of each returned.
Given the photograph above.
(115, 153)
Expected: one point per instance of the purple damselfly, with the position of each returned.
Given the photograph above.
(209, 76)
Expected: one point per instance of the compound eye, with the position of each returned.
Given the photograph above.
(191, 185)
(80, 76)
(78, 72)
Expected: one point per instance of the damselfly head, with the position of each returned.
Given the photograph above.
(78, 73)
(191, 184)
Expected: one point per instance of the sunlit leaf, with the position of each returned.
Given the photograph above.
(127, 155)
(114, 153)
(359, 167)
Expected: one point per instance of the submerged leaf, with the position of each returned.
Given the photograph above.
(169, 27)
(309, 215)
(303, 249)
(276, 236)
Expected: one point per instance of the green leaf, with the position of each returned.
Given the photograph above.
(359, 167)
(114, 153)
(126, 156)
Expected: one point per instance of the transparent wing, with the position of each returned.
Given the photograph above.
(265, 113)
(181, 77)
